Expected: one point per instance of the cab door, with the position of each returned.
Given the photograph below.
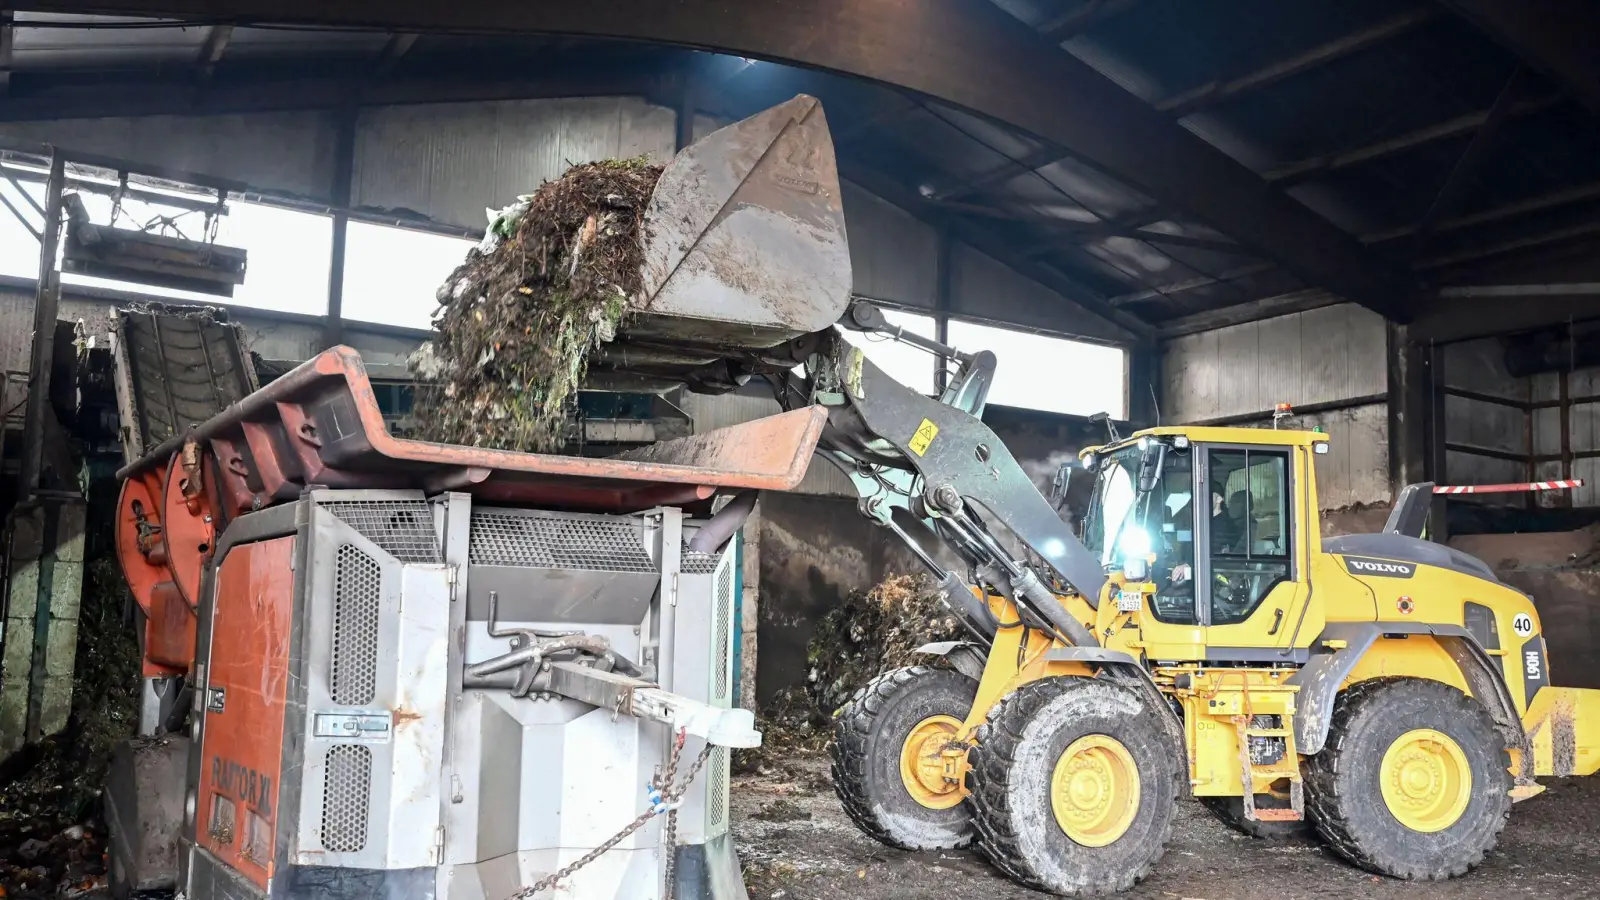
(1250, 581)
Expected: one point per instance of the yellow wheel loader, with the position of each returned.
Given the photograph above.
(1195, 634)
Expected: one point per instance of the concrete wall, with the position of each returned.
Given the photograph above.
(1477, 424)
(1335, 357)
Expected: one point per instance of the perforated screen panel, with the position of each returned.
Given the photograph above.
(403, 528)
(722, 647)
(557, 542)
(716, 789)
(357, 596)
(345, 798)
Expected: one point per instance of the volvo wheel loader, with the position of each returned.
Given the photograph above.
(1197, 634)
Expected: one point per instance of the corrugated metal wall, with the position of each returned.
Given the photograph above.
(1583, 430)
(1476, 424)
(287, 152)
(451, 161)
(1324, 356)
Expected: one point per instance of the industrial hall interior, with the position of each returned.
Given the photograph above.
(799, 450)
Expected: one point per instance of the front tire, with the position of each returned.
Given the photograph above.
(1413, 782)
(1073, 786)
(886, 766)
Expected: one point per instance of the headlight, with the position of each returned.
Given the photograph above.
(1089, 460)
(1134, 542)
(1145, 442)
(1136, 568)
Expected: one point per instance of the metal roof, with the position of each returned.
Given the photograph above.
(1444, 150)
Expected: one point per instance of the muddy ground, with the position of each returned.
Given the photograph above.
(796, 844)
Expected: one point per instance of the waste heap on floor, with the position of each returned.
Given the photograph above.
(519, 318)
(869, 633)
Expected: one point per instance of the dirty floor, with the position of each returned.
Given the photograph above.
(796, 844)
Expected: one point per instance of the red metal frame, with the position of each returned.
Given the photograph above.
(320, 425)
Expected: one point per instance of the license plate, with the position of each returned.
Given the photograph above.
(1129, 601)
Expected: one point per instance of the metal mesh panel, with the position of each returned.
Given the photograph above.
(698, 563)
(722, 647)
(716, 789)
(556, 542)
(403, 528)
(345, 798)
(356, 601)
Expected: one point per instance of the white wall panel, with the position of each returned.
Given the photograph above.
(282, 153)
(451, 161)
(1321, 356)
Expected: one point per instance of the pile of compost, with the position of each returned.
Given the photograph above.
(873, 632)
(52, 837)
(520, 317)
(870, 633)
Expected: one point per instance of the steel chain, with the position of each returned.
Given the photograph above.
(670, 795)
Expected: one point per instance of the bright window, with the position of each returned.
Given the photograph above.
(1048, 373)
(289, 251)
(392, 275)
(911, 366)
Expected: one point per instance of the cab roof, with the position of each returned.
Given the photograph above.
(1200, 434)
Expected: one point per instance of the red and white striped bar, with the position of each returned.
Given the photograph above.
(1509, 488)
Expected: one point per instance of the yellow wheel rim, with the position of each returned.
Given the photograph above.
(1094, 790)
(922, 763)
(1427, 782)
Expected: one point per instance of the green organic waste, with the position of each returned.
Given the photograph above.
(520, 317)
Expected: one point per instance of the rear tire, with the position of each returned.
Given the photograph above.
(1407, 750)
(872, 738)
(1230, 811)
(1051, 754)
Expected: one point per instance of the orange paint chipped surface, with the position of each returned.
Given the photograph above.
(243, 744)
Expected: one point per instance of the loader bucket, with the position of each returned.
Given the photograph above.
(745, 243)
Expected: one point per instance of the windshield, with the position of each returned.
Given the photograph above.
(1121, 522)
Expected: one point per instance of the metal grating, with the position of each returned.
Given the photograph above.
(558, 542)
(403, 528)
(722, 646)
(357, 596)
(698, 563)
(716, 789)
(345, 798)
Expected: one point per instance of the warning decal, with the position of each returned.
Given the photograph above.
(920, 441)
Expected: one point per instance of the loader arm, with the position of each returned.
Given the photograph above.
(953, 478)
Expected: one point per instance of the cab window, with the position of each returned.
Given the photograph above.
(1248, 537)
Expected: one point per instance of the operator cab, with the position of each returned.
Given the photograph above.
(1206, 517)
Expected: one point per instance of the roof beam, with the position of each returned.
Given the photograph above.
(1563, 197)
(1126, 326)
(1070, 24)
(1556, 37)
(211, 50)
(1470, 157)
(973, 56)
(1088, 231)
(245, 95)
(397, 46)
(1209, 94)
(1240, 313)
(1460, 126)
(1480, 251)
(8, 38)
(1192, 284)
